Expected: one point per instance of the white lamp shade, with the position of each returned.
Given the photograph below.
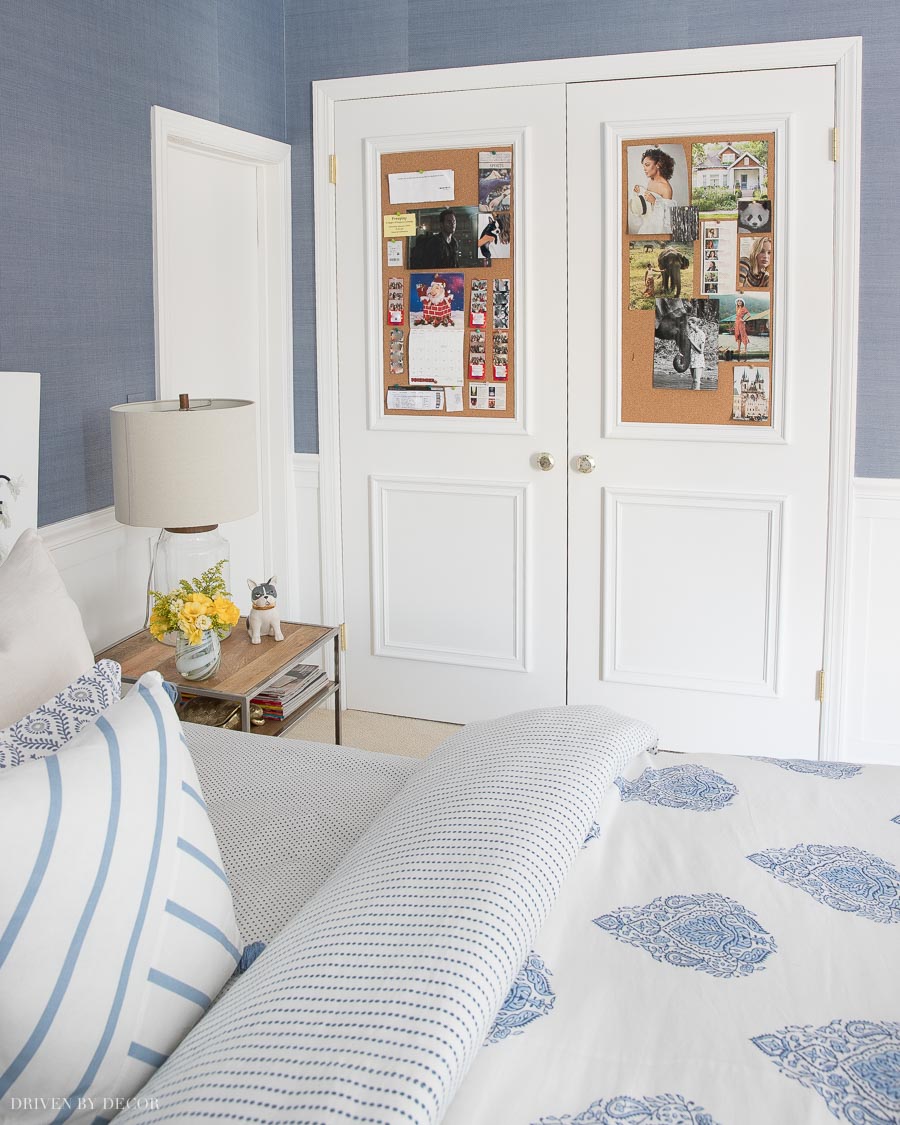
(184, 468)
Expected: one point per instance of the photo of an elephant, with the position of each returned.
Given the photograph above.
(685, 353)
(659, 269)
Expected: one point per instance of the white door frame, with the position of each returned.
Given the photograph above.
(845, 55)
(272, 161)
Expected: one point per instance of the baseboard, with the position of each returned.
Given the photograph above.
(872, 701)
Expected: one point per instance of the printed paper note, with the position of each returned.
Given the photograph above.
(399, 226)
(433, 185)
(399, 398)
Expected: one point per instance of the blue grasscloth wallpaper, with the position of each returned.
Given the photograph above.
(77, 80)
(338, 40)
(78, 77)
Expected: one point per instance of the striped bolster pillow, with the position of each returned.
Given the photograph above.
(116, 921)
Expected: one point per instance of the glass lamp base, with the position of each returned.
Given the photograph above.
(186, 554)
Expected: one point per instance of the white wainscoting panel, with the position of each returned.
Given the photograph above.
(695, 581)
(872, 700)
(105, 566)
(468, 605)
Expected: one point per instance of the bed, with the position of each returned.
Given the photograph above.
(547, 922)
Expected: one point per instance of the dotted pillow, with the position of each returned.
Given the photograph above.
(56, 722)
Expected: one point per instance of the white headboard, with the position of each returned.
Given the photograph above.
(20, 409)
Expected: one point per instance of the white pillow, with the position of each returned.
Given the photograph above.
(43, 645)
(57, 721)
(116, 922)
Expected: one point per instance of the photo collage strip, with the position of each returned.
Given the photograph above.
(448, 289)
(699, 223)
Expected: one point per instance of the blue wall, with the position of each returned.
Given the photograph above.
(342, 39)
(77, 80)
(78, 77)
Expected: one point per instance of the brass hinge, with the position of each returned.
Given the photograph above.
(835, 144)
(332, 169)
(343, 638)
(820, 685)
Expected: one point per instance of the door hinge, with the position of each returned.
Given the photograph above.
(835, 144)
(332, 169)
(343, 638)
(820, 685)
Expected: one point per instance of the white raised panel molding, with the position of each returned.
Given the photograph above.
(652, 568)
(872, 706)
(613, 135)
(375, 147)
(271, 161)
(476, 569)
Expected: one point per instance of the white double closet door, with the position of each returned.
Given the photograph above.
(683, 579)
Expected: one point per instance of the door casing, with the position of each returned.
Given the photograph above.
(845, 55)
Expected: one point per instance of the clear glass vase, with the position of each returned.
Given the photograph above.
(199, 661)
(186, 553)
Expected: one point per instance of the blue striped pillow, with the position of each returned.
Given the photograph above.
(116, 921)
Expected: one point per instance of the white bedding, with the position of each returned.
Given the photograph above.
(371, 1003)
(759, 988)
(285, 813)
(712, 940)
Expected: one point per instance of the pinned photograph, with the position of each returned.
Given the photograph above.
(685, 224)
(494, 235)
(494, 181)
(659, 269)
(684, 349)
(725, 172)
(476, 355)
(478, 303)
(719, 240)
(755, 269)
(744, 326)
(751, 394)
(657, 177)
(396, 303)
(445, 239)
(436, 299)
(397, 352)
(501, 303)
(755, 215)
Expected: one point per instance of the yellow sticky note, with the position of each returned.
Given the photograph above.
(395, 226)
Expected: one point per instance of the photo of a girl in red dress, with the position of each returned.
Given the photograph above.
(744, 326)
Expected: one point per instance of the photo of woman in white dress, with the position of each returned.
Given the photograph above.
(658, 182)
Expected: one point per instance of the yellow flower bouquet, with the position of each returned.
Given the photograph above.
(195, 607)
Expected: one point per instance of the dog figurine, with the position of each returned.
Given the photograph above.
(263, 618)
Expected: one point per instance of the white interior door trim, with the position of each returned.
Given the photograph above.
(845, 55)
(272, 160)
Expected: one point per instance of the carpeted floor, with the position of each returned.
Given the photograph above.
(386, 734)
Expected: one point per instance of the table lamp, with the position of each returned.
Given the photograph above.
(185, 466)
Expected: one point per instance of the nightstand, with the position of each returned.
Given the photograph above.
(245, 671)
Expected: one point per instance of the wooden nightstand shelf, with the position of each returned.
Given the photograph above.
(245, 671)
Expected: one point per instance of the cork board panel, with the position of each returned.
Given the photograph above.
(641, 400)
(464, 164)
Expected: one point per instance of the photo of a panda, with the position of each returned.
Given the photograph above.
(755, 215)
